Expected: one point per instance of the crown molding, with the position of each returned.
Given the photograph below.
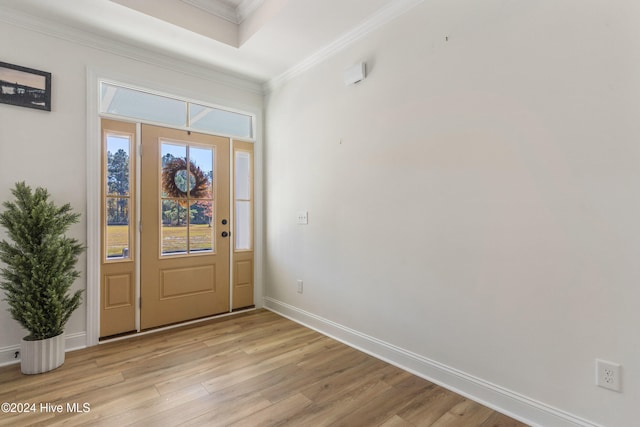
(211, 73)
(377, 20)
(116, 47)
(225, 11)
(217, 8)
(246, 8)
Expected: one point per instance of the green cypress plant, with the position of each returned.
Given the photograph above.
(39, 262)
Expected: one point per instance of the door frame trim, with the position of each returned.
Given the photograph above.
(94, 179)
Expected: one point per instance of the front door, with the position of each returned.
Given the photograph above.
(184, 211)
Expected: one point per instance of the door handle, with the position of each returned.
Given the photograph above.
(226, 234)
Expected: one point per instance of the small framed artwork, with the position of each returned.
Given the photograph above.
(25, 87)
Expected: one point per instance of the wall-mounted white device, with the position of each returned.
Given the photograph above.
(303, 217)
(355, 74)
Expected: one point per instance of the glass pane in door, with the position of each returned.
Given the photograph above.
(174, 171)
(201, 161)
(243, 225)
(243, 175)
(118, 168)
(201, 227)
(174, 227)
(174, 205)
(187, 198)
(118, 232)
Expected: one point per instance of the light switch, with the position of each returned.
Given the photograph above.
(303, 217)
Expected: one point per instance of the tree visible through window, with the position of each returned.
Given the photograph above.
(118, 181)
(187, 198)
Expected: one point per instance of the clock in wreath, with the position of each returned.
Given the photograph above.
(178, 184)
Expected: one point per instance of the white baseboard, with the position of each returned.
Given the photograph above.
(491, 395)
(72, 342)
(75, 341)
(8, 355)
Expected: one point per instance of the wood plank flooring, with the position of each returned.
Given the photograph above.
(252, 369)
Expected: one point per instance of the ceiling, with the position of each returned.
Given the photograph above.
(257, 39)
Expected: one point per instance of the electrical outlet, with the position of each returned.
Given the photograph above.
(9, 355)
(303, 217)
(608, 375)
(299, 283)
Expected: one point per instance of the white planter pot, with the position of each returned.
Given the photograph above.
(41, 356)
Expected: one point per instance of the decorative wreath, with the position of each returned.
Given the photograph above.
(169, 185)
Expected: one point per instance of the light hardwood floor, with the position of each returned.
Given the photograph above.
(252, 369)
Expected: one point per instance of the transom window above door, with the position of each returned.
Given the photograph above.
(143, 105)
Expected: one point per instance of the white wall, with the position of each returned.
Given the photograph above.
(474, 201)
(50, 148)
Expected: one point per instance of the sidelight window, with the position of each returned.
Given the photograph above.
(118, 196)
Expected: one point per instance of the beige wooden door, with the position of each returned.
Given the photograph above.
(185, 244)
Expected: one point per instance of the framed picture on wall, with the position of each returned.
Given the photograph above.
(25, 87)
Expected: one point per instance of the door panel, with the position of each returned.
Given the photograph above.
(180, 282)
(185, 245)
(243, 280)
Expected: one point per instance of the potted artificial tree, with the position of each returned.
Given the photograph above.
(38, 273)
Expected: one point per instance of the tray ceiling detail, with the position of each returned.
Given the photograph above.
(235, 11)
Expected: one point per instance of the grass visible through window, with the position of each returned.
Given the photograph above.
(175, 238)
